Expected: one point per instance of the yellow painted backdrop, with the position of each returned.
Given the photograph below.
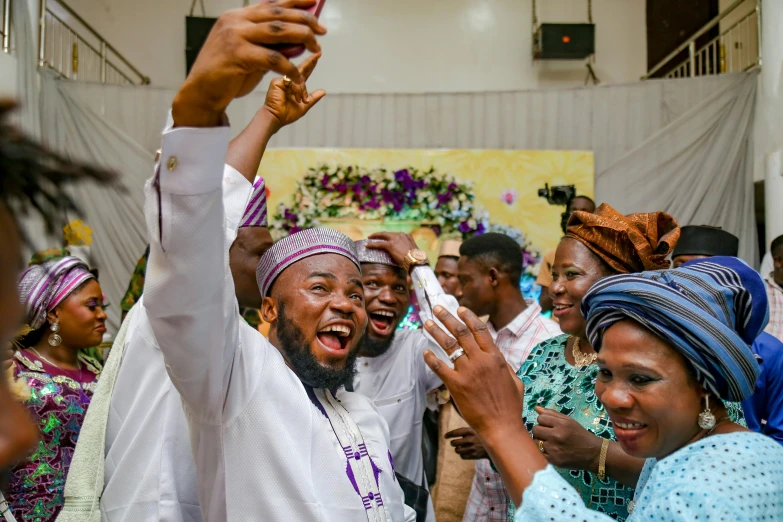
(491, 171)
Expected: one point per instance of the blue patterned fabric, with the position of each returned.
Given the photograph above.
(710, 310)
(736, 477)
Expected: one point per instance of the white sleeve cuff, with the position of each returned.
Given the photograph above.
(191, 159)
(236, 193)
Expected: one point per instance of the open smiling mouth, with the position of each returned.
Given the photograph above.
(335, 337)
(561, 309)
(383, 322)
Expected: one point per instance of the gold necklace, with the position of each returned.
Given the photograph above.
(582, 359)
(78, 363)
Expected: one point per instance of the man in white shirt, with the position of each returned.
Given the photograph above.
(274, 436)
(490, 268)
(149, 469)
(391, 369)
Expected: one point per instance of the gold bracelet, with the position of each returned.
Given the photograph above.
(602, 460)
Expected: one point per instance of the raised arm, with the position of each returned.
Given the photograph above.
(246, 150)
(188, 267)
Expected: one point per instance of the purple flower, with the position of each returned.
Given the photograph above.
(453, 186)
(325, 180)
(464, 227)
(342, 188)
(365, 179)
(289, 216)
(401, 175)
(528, 259)
(374, 203)
(357, 188)
(443, 199)
(480, 229)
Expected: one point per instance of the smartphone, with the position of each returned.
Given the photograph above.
(293, 51)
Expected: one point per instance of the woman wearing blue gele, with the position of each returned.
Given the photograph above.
(670, 345)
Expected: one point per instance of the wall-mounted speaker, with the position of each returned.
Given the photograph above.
(564, 41)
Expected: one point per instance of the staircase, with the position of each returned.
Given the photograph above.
(734, 49)
(68, 45)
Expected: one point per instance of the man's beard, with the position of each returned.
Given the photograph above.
(370, 347)
(304, 363)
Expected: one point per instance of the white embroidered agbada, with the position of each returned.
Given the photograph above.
(264, 444)
(149, 469)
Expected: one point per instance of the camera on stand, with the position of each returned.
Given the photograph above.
(561, 195)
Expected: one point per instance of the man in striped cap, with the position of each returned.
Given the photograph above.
(322, 452)
(146, 440)
(391, 369)
(272, 434)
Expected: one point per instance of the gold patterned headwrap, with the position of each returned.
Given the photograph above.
(628, 244)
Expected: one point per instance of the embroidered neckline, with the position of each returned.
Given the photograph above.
(91, 364)
(37, 371)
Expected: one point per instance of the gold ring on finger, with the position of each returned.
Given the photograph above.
(286, 82)
(541, 446)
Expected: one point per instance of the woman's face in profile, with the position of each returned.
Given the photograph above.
(646, 387)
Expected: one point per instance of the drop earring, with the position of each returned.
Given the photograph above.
(706, 418)
(54, 338)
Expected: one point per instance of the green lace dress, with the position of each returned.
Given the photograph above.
(551, 382)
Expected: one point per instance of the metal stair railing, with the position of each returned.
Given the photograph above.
(71, 47)
(735, 49)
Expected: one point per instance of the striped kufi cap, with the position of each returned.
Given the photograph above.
(373, 255)
(299, 246)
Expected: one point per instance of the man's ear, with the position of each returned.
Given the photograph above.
(269, 309)
(494, 277)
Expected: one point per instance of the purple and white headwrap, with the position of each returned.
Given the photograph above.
(43, 287)
(298, 246)
(255, 213)
(373, 255)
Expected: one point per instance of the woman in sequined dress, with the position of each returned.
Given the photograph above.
(562, 411)
(65, 311)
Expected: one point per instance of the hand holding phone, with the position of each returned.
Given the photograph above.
(293, 51)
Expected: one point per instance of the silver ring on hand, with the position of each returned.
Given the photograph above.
(459, 352)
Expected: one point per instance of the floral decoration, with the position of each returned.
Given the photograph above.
(429, 197)
(408, 194)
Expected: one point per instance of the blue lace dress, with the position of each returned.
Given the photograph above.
(736, 477)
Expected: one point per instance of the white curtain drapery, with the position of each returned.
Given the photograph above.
(662, 133)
